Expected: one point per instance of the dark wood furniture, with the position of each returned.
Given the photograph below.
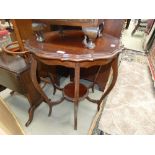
(15, 75)
(114, 28)
(15, 66)
(111, 26)
(68, 51)
(92, 28)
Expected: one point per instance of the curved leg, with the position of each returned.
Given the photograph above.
(31, 114)
(44, 85)
(98, 71)
(92, 100)
(36, 84)
(114, 66)
(53, 83)
(115, 74)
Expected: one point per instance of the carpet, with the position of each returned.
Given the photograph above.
(130, 107)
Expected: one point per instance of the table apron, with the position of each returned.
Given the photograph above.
(72, 64)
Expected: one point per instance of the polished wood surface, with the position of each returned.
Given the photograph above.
(68, 51)
(92, 28)
(71, 22)
(70, 94)
(70, 48)
(111, 26)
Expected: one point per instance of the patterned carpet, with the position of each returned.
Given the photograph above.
(130, 107)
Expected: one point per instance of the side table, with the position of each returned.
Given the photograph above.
(69, 52)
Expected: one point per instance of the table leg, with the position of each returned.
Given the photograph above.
(76, 93)
(114, 66)
(31, 114)
(37, 86)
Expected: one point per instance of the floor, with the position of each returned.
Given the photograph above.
(134, 42)
(130, 106)
(61, 121)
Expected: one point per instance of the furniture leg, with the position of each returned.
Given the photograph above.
(127, 23)
(37, 86)
(136, 27)
(115, 74)
(93, 85)
(31, 114)
(76, 93)
(55, 87)
(114, 67)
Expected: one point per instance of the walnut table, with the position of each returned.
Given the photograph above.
(68, 51)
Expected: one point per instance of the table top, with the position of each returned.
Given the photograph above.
(71, 22)
(70, 47)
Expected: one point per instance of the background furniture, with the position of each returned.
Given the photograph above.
(141, 23)
(127, 23)
(23, 30)
(149, 35)
(15, 75)
(15, 66)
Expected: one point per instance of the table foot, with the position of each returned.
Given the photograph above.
(12, 92)
(31, 114)
(50, 110)
(75, 115)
